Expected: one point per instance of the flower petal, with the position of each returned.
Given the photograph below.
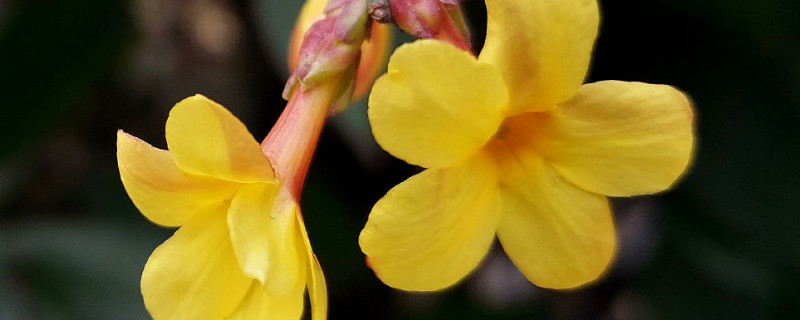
(542, 48)
(317, 289)
(260, 304)
(621, 138)
(558, 235)
(437, 105)
(206, 139)
(159, 189)
(430, 231)
(264, 235)
(194, 274)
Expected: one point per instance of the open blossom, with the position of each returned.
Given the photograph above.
(516, 146)
(241, 251)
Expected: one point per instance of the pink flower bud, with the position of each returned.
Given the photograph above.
(432, 19)
(331, 49)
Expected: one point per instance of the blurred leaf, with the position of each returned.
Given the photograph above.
(52, 52)
(275, 20)
(78, 270)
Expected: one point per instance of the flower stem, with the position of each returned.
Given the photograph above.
(290, 144)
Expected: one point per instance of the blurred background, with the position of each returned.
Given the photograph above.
(724, 244)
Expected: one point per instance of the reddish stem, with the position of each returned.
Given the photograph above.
(290, 144)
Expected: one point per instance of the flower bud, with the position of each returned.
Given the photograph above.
(330, 53)
(374, 50)
(432, 19)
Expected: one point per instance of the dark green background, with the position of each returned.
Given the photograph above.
(722, 245)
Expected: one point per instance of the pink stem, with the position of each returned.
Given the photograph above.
(290, 144)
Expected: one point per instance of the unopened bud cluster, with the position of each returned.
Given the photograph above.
(330, 51)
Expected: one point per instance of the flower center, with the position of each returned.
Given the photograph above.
(519, 136)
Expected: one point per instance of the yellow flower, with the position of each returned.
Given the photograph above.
(516, 146)
(241, 251)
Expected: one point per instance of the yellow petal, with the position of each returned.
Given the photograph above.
(558, 235)
(159, 189)
(264, 235)
(430, 231)
(206, 139)
(542, 48)
(260, 304)
(317, 289)
(436, 105)
(621, 138)
(194, 275)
